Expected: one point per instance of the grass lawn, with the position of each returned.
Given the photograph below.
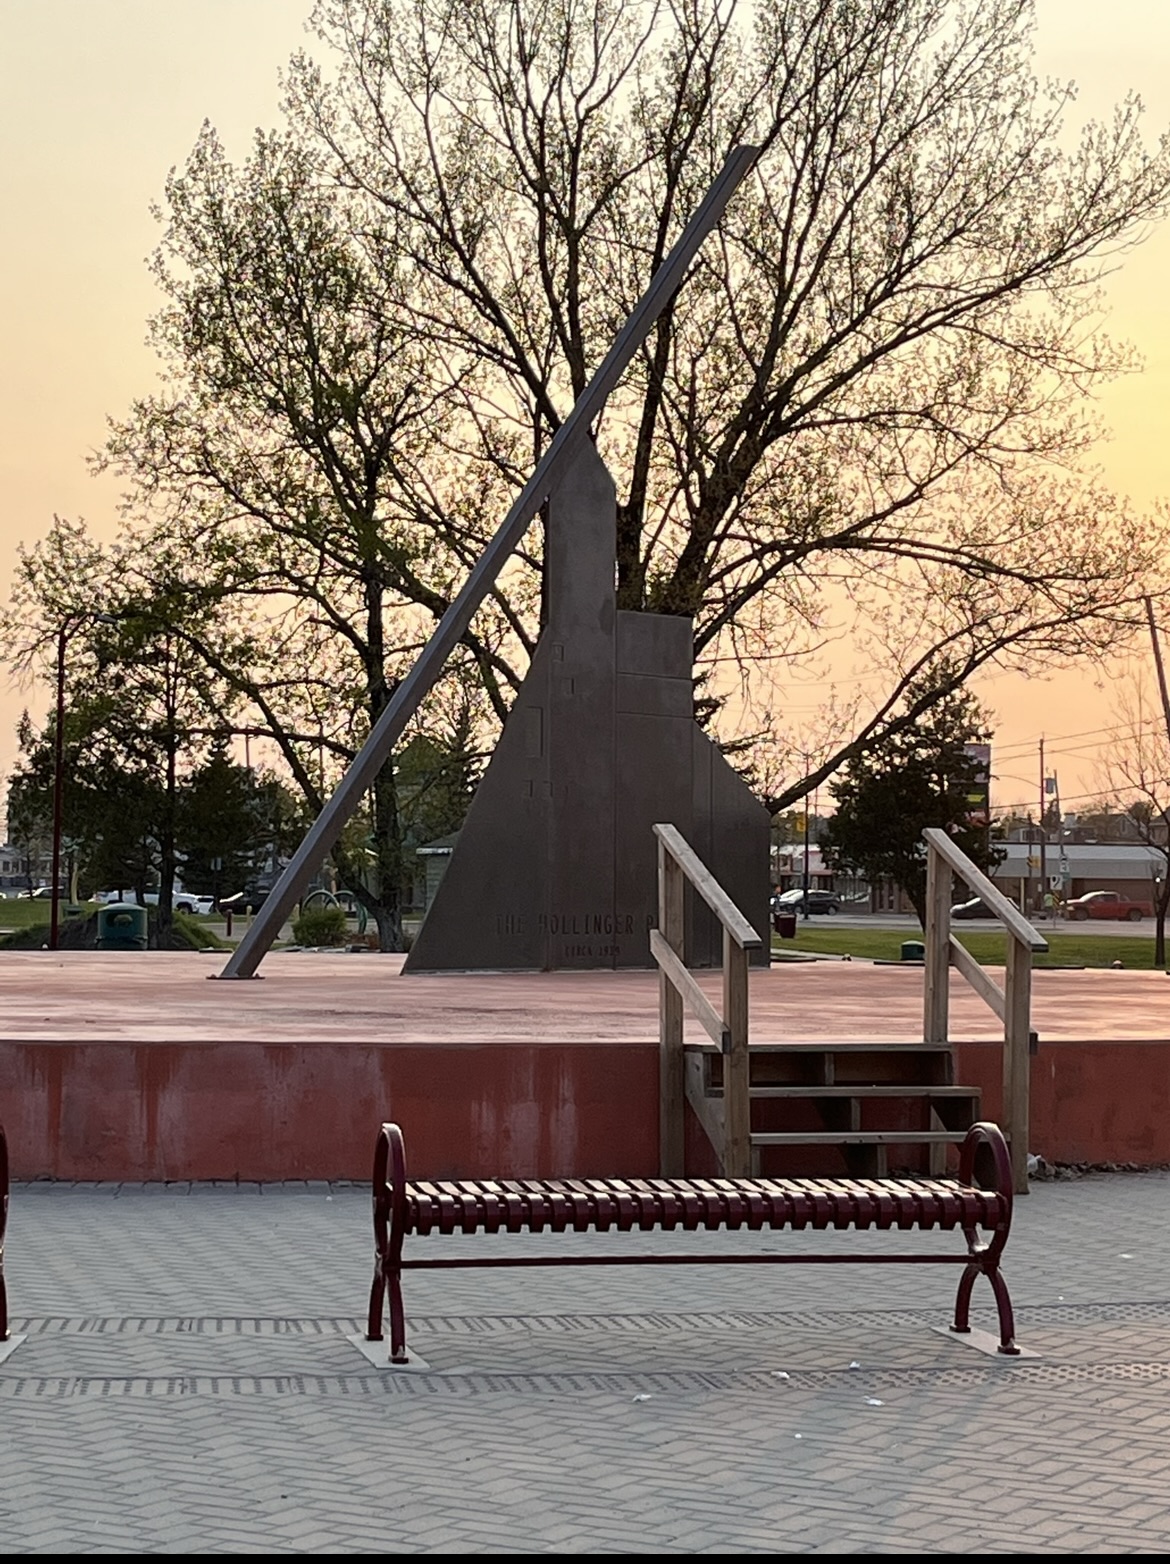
(1065, 950)
(21, 912)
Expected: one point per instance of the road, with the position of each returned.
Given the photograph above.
(1057, 928)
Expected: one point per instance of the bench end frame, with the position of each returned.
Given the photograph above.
(389, 1193)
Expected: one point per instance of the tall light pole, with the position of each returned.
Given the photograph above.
(67, 628)
(1165, 694)
(804, 880)
(1043, 833)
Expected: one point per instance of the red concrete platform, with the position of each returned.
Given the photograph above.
(134, 1066)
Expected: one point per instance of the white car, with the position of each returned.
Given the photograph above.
(181, 901)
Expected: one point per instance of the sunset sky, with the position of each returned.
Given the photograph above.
(102, 97)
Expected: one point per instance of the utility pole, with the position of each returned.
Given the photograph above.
(1043, 833)
(1158, 664)
(1160, 929)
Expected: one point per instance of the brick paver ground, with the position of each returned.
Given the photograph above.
(187, 1385)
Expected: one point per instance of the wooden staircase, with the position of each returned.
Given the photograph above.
(824, 1108)
(855, 1108)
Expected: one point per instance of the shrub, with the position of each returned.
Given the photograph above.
(187, 933)
(320, 926)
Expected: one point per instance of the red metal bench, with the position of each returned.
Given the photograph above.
(429, 1208)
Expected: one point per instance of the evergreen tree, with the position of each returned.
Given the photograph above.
(222, 833)
(921, 776)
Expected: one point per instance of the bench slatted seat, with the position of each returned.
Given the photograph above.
(981, 1211)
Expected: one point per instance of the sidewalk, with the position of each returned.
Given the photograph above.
(186, 1385)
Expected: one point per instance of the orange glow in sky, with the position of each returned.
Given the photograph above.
(102, 97)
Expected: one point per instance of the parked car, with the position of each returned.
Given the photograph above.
(243, 901)
(1108, 904)
(975, 908)
(818, 901)
(181, 901)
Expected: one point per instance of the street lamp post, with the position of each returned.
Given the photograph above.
(66, 630)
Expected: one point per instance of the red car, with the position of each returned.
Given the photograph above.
(1108, 904)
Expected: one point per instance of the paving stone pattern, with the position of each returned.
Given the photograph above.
(186, 1385)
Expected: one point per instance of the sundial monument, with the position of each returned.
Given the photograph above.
(556, 863)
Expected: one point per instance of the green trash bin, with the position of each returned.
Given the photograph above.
(913, 950)
(121, 925)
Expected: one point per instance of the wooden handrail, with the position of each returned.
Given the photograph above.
(705, 1012)
(1012, 1004)
(985, 987)
(708, 887)
(729, 1123)
(1011, 917)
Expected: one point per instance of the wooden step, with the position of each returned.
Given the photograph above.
(848, 1045)
(825, 1086)
(852, 1065)
(859, 1138)
(703, 1045)
(863, 1091)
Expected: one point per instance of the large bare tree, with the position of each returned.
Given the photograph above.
(859, 433)
(289, 477)
(862, 422)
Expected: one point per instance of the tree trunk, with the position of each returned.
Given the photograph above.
(166, 835)
(384, 898)
(389, 921)
(387, 835)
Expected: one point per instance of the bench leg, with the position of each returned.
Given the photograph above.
(1003, 1304)
(962, 1325)
(377, 1296)
(388, 1278)
(398, 1352)
(985, 1140)
(389, 1226)
(3, 1230)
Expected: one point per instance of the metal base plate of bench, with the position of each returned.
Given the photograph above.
(438, 1207)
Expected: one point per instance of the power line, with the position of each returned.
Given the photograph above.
(1070, 798)
(1028, 745)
